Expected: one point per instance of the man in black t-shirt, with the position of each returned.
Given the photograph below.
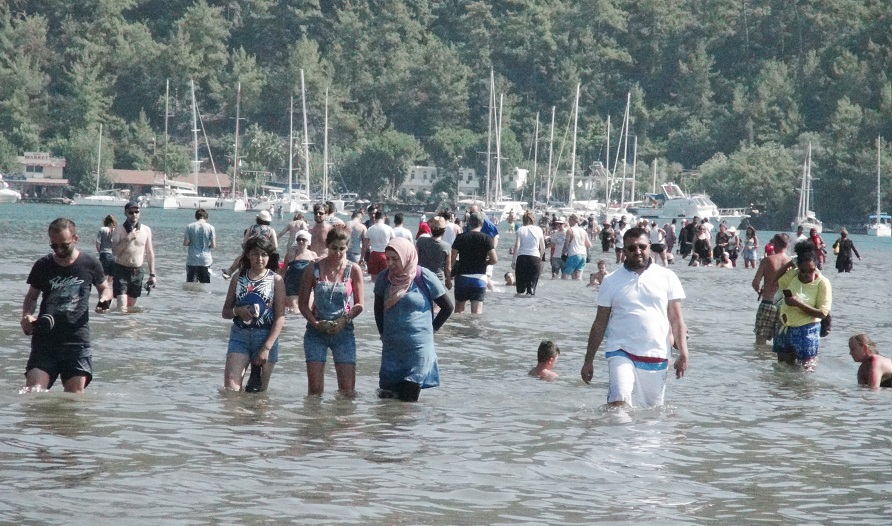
(472, 251)
(60, 331)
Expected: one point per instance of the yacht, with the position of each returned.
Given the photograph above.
(673, 203)
(7, 194)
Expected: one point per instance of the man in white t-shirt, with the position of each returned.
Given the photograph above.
(639, 309)
(375, 242)
(452, 230)
(399, 230)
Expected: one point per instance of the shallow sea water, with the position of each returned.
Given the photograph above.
(155, 440)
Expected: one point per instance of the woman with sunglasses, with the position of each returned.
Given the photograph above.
(297, 260)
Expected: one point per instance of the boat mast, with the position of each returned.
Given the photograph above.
(808, 183)
(622, 130)
(879, 148)
(99, 161)
(572, 195)
(550, 152)
(654, 186)
(290, 147)
(195, 161)
(238, 100)
(607, 168)
(166, 115)
(303, 98)
(535, 160)
(325, 151)
(489, 119)
(625, 149)
(634, 168)
(497, 191)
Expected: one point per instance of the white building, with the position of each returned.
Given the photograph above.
(422, 178)
(516, 180)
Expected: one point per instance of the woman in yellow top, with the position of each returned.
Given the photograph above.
(807, 298)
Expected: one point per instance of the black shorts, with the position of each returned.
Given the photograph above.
(197, 273)
(63, 360)
(127, 279)
(657, 247)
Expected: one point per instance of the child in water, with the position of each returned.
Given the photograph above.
(509, 279)
(546, 356)
(596, 278)
(875, 370)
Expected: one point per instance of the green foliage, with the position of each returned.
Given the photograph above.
(380, 164)
(710, 80)
(765, 175)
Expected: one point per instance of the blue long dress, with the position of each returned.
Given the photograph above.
(408, 353)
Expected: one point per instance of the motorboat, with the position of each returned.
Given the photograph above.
(7, 194)
(168, 196)
(673, 203)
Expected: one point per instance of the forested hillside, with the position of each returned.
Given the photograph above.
(726, 94)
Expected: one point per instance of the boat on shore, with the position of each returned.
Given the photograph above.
(673, 203)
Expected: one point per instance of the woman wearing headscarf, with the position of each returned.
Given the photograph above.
(405, 294)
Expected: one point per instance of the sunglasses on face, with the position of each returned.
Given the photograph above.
(132, 212)
(60, 246)
(637, 246)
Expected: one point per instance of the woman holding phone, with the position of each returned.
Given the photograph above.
(807, 298)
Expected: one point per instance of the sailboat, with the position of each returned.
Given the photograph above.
(804, 217)
(616, 210)
(101, 198)
(189, 197)
(162, 196)
(234, 202)
(880, 223)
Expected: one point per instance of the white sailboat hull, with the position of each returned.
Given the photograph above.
(881, 230)
(166, 202)
(100, 200)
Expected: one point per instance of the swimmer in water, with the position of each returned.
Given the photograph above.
(546, 357)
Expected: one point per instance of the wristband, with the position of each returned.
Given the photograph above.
(151, 275)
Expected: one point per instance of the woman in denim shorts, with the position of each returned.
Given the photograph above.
(337, 289)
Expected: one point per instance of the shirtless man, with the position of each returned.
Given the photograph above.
(132, 246)
(875, 370)
(770, 269)
(319, 231)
